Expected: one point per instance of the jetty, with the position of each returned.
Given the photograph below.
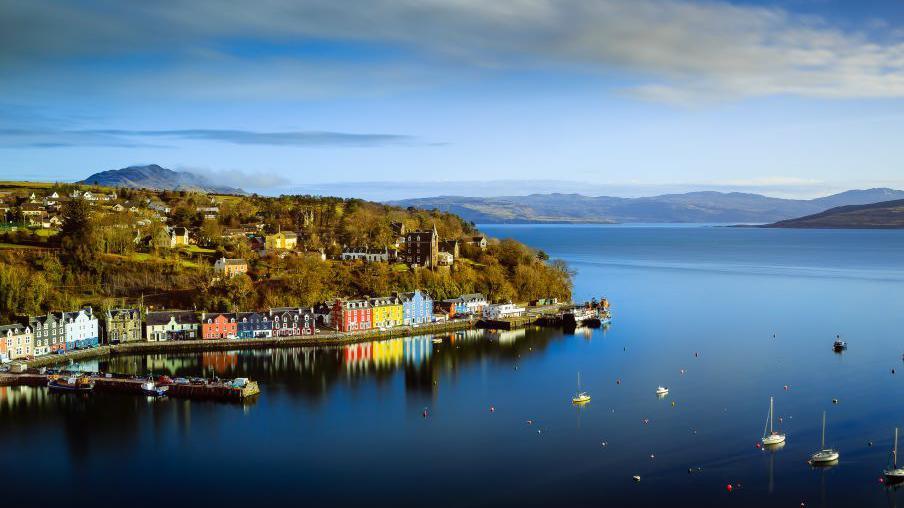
(201, 390)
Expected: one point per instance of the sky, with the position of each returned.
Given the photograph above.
(390, 99)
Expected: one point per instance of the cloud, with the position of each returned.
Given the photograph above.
(251, 181)
(678, 51)
(49, 138)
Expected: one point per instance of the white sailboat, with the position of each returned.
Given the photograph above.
(580, 397)
(770, 436)
(894, 474)
(825, 456)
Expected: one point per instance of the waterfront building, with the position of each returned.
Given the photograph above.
(502, 310)
(417, 307)
(122, 325)
(171, 325)
(386, 312)
(283, 240)
(17, 342)
(465, 305)
(292, 321)
(218, 326)
(81, 329)
(422, 248)
(323, 312)
(49, 333)
(352, 315)
(254, 325)
(230, 267)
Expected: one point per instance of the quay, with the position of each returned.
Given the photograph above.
(216, 391)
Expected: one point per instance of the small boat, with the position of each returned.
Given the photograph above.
(71, 384)
(894, 474)
(770, 436)
(580, 397)
(839, 344)
(437, 341)
(662, 391)
(825, 456)
(151, 389)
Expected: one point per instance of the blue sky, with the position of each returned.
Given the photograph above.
(623, 97)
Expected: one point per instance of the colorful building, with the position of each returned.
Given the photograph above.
(292, 322)
(16, 342)
(171, 325)
(417, 307)
(352, 315)
(386, 312)
(218, 326)
(254, 325)
(81, 329)
(284, 240)
(49, 334)
(122, 325)
(230, 267)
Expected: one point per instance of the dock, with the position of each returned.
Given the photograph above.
(209, 390)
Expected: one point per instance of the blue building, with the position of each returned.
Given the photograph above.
(417, 307)
(254, 325)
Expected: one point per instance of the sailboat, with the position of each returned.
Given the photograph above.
(825, 456)
(580, 397)
(771, 437)
(894, 474)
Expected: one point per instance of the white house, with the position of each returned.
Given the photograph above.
(502, 310)
(474, 302)
(80, 329)
(366, 254)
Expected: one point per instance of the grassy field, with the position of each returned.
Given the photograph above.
(16, 246)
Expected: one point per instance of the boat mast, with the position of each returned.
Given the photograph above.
(579, 381)
(823, 430)
(770, 416)
(894, 453)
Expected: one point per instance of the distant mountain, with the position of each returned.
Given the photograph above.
(707, 206)
(155, 177)
(884, 215)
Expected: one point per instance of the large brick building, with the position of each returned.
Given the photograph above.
(422, 248)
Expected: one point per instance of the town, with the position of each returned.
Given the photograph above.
(86, 266)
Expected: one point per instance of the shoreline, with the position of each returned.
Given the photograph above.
(321, 339)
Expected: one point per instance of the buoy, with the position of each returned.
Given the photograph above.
(604, 444)
(758, 445)
(892, 371)
(618, 381)
(869, 443)
(728, 487)
(834, 401)
(530, 422)
(786, 387)
(652, 456)
(425, 412)
(696, 354)
(673, 403)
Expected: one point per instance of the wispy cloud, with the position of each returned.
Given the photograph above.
(680, 51)
(47, 138)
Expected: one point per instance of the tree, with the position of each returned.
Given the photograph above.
(77, 237)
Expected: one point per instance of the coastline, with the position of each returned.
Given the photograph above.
(321, 339)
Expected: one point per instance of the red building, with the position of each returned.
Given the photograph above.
(219, 326)
(352, 315)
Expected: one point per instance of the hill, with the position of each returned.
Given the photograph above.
(884, 215)
(156, 177)
(689, 207)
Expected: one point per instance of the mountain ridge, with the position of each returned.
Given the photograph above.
(153, 176)
(882, 215)
(691, 207)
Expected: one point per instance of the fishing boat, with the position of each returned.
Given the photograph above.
(71, 384)
(839, 344)
(894, 474)
(825, 456)
(662, 391)
(770, 436)
(153, 390)
(580, 397)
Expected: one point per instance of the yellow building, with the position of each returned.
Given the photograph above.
(284, 240)
(387, 312)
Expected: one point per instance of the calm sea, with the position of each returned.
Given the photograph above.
(724, 317)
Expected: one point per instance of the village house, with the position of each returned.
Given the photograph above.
(218, 326)
(52, 222)
(49, 334)
(159, 207)
(292, 322)
(502, 310)
(352, 315)
(81, 329)
(230, 267)
(171, 325)
(479, 241)
(209, 212)
(32, 214)
(16, 342)
(178, 236)
(254, 325)
(417, 307)
(465, 305)
(451, 246)
(284, 240)
(386, 312)
(122, 325)
(444, 259)
(422, 248)
(368, 255)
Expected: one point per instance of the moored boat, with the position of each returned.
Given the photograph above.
(825, 456)
(153, 390)
(770, 436)
(662, 391)
(580, 397)
(839, 344)
(71, 384)
(894, 474)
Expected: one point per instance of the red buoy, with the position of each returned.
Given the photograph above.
(728, 487)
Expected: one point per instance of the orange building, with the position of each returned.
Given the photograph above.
(219, 326)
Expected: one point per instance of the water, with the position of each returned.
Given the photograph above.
(343, 426)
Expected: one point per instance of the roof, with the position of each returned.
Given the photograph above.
(179, 231)
(410, 294)
(365, 250)
(182, 317)
(120, 312)
(472, 297)
(384, 301)
(232, 261)
(15, 328)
